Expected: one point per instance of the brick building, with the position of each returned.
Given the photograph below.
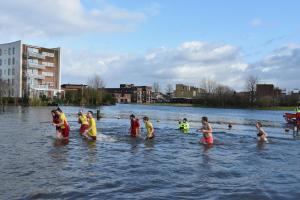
(185, 91)
(129, 93)
(29, 70)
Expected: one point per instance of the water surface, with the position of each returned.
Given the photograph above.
(34, 165)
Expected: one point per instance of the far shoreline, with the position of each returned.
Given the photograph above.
(274, 108)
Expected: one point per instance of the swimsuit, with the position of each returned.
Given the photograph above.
(259, 134)
(207, 140)
(84, 124)
(134, 126)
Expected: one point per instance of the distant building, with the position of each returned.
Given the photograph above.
(295, 93)
(158, 97)
(263, 90)
(129, 93)
(29, 70)
(267, 94)
(185, 91)
(73, 89)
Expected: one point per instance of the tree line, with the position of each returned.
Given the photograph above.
(218, 95)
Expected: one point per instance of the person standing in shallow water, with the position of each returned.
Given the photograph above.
(55, 120)
(149, 128)
(91, 132)
(184, 125)
(206, 131)
(83, 121)
(134, 126)
(261, 135)
(62, 124)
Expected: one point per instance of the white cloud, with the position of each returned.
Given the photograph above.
(188, 63)
(48, 18)
(280, 67)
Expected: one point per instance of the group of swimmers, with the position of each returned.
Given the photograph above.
(207, 131)
(184, 126)
(88, 128)
(87, 123)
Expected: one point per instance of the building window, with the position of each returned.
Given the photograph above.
(8, 82)
(12, 82)
(13, 61)
(8, 61)
(13, 50)
(9, 51)
(0, 72)
(13, 71)
(8, 72)
(0, 52)
(0, 62)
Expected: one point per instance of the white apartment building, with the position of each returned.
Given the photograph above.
(27, 70)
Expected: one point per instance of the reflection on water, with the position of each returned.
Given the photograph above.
(60, 143)
(171, 166)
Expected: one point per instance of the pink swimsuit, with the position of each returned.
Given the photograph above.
(208, 140)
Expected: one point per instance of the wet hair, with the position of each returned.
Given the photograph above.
(184, 119)
(259, 124)
(58, 109)
(146, 118)
(80, 112)
(205, 119)
(90, 112)
(132, 115)
(53, 111)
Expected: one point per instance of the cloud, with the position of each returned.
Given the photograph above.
(188, 63)
(51, 18)
(280, 67)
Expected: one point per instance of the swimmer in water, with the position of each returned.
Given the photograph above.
(83, 121)
(149, 128)
(134, 126)
(261, 135)
(55, 120)
(91, 132)
(62, 124)
(207, 132)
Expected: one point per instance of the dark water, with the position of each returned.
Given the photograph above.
(174, 166)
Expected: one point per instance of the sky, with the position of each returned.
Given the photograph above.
(166, 41)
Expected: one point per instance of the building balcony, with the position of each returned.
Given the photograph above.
(35, 65)
(36, 76)
(40, 87)
(36, 55)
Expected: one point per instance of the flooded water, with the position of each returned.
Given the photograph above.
(34, 165)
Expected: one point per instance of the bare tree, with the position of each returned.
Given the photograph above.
(169, 89)
(96, 85)
(251, 83)
(156, 87)
(208, 85)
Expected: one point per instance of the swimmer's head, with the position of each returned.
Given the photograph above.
(132, 116)
(204, 119)
(146, 118)
(259, 124)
